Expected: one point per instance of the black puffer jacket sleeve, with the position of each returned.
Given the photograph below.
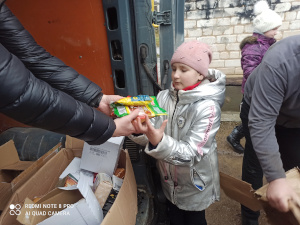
(34, 102)
(16, 39)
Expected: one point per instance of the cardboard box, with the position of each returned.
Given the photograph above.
(66, 207)
(102, 158)
(243, 193)
(122, 212)
(14, 173)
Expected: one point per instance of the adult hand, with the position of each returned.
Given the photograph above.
(124, 126)
(106, 101)
(279, 193)
(153, 135)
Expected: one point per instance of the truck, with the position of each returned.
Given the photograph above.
(124, 46)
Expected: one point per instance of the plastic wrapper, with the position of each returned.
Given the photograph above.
(70, 181)
(99, 177)
(120, 172)
(135, 101)
(146, 107)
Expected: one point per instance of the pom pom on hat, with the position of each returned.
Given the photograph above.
(194, 54)
(266, 19)
(260, 6)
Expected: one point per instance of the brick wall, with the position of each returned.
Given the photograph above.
(223, 24)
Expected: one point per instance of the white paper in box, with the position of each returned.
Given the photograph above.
(102, 158)
(86, 211)
(78, 214)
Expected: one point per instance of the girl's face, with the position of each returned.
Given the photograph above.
(184, 76)
(271, 33)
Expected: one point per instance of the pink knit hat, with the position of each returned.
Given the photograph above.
(194, 54)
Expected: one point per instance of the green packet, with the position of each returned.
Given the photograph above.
(150, 108)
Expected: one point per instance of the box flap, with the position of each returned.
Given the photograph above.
(76, 215)
(274, 216)
(74, 143)
(73, 167)
(239, 191)
(23, 217)
(292, 177)
(117, 140)
(6, 177)
(21, 165)
(54, 201)
(20, 172)
(47, 207)
(4, 188)
(55, 196)
(36, 165)
(47, 175)
(8, 154)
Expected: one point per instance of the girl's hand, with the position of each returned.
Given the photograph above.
(153, 135)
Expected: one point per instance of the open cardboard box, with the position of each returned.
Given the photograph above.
(243, 193)
(122, 212)
(14, 172)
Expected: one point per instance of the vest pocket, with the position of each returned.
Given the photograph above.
(198, 181)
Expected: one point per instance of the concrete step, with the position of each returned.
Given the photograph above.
(228, 116)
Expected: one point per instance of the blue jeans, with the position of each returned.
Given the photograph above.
(289, 147)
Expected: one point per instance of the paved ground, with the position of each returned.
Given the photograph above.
(227, 211)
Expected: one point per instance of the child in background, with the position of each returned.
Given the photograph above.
(265, 24)
(183, 142)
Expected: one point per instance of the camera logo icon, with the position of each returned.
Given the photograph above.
(15, 209)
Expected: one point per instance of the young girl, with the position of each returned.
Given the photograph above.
(265, 26)
(183, 142)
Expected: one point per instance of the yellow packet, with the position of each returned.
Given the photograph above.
(138, 100)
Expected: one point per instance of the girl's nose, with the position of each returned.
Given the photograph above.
(176, 74)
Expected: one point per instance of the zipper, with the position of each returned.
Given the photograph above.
(166, 178)
(200, 185)
(177, 100)
(165, 171)
(173, 175)
(174, 179)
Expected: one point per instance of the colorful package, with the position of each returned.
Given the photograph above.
(135, 101)
(146, 107)
(70, 180)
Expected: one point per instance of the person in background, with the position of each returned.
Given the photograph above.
(183, 142)
(265, 24)
(39, 90)
(271, 121)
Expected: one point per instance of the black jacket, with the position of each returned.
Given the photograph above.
(38, 89)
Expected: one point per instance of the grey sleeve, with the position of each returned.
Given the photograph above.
(267, 98)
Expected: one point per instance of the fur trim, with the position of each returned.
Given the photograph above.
(248, 40)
